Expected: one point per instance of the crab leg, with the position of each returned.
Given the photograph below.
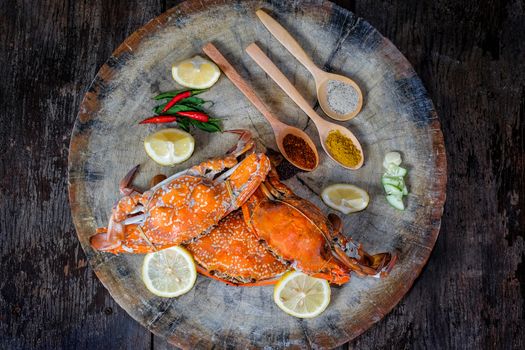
(205, 272)
(134, 219)
(125, 186)
(262, 283)
(129, 204)
(227, 174)
(342, 279)
(135, 241)
(356, 258)
(352, 263)
(244, 144)
(138, 209)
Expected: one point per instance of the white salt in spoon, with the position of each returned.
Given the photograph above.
(339, 96)
(323, 127)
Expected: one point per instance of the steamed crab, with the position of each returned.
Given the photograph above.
(297, 232)
(184, 206)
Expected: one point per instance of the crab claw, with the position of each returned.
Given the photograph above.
(247, 177)
(125, 186)
(111, 238)
(244, 144)
(353, 255)
(103, 241)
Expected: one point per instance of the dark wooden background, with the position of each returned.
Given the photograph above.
(469, 54)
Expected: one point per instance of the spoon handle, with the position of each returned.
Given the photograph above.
(213, 53)
(271, 69)
(284, 37)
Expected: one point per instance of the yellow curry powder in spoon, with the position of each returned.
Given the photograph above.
(343, 149)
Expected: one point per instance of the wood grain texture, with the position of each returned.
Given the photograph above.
(469, 56)
(50, 51)
(398, 115)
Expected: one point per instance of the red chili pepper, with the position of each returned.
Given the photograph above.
(159, 119)
(176, 99)
(195, 115)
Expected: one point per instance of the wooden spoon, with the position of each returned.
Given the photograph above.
(280, 129)
(324, 127)
(321, 77)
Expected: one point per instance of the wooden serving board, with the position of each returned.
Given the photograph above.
(397, 115)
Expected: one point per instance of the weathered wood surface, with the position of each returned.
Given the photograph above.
(49, 53)
(469, 57)
(397, 116)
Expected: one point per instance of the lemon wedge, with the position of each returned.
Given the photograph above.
(169, 146)
(345, 198)
(300, 295)
(196, 73)
(169, 273)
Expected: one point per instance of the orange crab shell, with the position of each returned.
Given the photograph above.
(190, 205)
(231, 252)
(293, 236)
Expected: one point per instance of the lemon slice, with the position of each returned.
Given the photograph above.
(345, 198)
(169, 273)
(196, 73)
(300, 295)
(169, 146)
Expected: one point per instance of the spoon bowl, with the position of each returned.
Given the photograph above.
(324, 131)
(321, 77)
(354, 96)
(287, 130)
(280, 129)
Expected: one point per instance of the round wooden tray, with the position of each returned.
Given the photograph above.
(397, 115)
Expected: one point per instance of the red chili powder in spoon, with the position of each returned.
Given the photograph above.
(299, 152)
